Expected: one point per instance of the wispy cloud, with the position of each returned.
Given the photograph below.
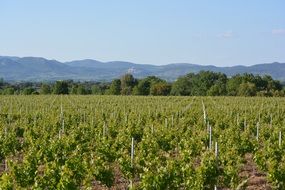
(226, 34)
(280, 31)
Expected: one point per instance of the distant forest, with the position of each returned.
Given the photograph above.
(204, 83)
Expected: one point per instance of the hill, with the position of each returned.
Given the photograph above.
(38, 69)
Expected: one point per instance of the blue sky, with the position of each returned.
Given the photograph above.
(217, 32)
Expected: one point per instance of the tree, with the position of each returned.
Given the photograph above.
(271, 85)
(201, 84)
(127, 84)
(81, 90)
(154, 79)
(182, 86)
(160, 89)
(74, 89)
(144, 85)
(95, 89)
(115, 88)
(251, 85)
(233, 85)
(8, 91)
(204, 80)
(60, 87)
(142, 88)
(45, 89)
(218, 89)
(28, 91)
(247, 89)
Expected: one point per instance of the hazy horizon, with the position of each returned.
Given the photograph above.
(137, 62)
(146, 32)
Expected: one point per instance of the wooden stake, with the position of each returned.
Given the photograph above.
(216, 150)
(132, 152)
(280, 138)
(210, 134)
(204, 112)
(257, 131)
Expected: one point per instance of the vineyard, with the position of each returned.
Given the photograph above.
(133, 142)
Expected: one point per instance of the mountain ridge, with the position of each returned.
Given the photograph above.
(14, 68)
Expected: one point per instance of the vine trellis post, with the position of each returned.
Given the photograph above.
(280, 139)
(210, 137)
(132, 159)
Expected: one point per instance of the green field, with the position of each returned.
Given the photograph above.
(85, 142)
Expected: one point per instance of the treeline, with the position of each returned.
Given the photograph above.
(204, 83)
